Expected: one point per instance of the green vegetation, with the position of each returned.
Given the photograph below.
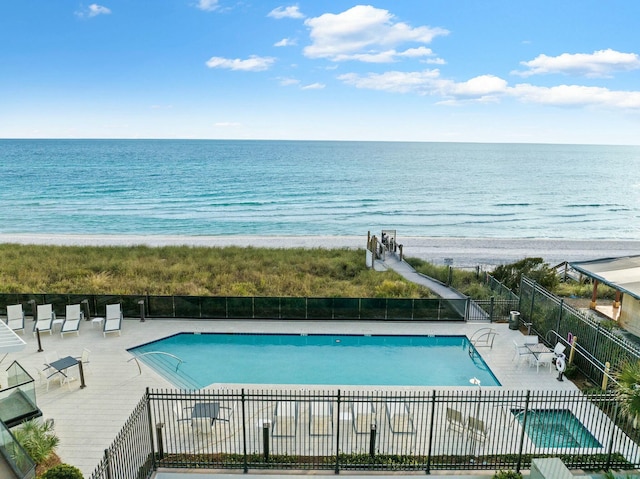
(197, 271)
(62, 471)
(507, 475)
(39, 441)
(628, 392)
(533, 268)
(467, 282)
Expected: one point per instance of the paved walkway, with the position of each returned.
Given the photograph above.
(404, 269)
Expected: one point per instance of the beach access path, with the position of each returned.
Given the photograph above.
(391, 261)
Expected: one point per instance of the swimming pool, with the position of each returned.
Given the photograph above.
(319, 359)
(556, 428)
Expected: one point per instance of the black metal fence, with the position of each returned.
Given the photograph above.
(554, 321)
(475, 429)
(213, 307)
(492, 309)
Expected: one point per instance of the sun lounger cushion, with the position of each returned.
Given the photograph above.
(364, 415)
(400, 420)
(320, 418)
(285, 418)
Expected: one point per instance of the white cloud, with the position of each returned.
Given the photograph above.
(208, 5)
(599, 64)
(285, 42)
(363, 33)
(577, 96)
(227, 124)
(423, 82)
(254, 63)
(288, 81)
(93, 10)
(286, 12)
(314, 86)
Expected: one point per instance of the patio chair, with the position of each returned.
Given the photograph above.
(364, 417)
(113, 319)
(400, 418)
(72, 319)
(45, 378)
(15, 317)
(45, 318)
(455, 420)
(542, 359)
(285, 419)
(320, 418)
(84, 359)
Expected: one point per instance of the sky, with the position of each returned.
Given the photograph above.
(561, 71)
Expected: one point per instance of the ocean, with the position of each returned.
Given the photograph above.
(224, 187)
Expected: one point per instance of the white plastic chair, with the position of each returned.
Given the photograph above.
(15, 317)
(542, 359)
(45, 318)
(113, 319)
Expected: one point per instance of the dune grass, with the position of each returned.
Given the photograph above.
(196, 271)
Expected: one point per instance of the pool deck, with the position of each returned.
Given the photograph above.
(87, 420)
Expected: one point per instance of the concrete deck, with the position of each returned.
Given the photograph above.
(87, 420)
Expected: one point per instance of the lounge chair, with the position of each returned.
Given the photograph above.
(45, 318)
(72, 319)
(113, 319)
(364, 416)
(478, 430)
(400, 419)
(455, 420)
(320, 418)
(15, 317)
(285, 419)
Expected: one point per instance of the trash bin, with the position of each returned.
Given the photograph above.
(514, 320)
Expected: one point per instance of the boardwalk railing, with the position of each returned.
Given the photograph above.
(474, 429)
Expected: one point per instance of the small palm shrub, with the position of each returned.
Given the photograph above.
(62, 471)
(38, 439)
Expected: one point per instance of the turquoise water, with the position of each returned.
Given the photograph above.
(556, 428)
(316, 359)
(194, 188)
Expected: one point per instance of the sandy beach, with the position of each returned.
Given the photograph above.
(465, 252)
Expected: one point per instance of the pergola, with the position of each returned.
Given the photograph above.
(621, 274)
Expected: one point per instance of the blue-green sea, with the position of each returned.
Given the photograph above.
(202, 188)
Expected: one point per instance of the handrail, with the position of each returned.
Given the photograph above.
(180, 361)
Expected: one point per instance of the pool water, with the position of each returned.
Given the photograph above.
(556, 428)
(319, 359)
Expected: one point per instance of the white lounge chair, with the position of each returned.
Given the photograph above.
(400, 419)
(15, 317)
(320, 418)
(113, 319)
(45, 318)
(285, 419)
(72, 320)
(542, 359)
(364, 416)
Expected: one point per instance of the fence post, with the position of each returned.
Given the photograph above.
(159, 427)
(265, 440)
(612, 435)
(533, 298)
(150, 424)
(560, 315)
(524, 425)
(337, 470)
(572, 352)
(605, 378)
(433, 415)
(108, 464)
(491, 309)
(244, 431)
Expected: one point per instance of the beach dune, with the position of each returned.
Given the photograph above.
(463, 252)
